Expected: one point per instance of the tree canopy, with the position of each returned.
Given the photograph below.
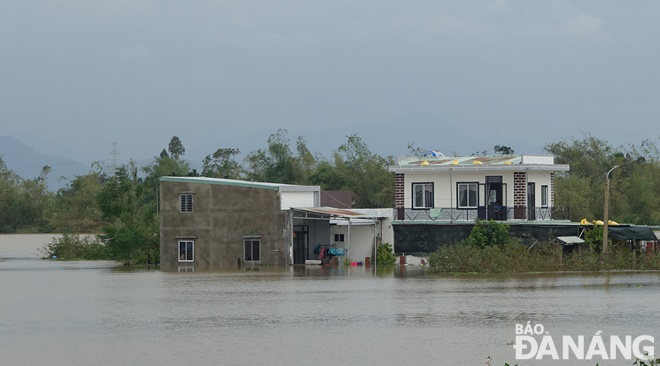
(123, 203)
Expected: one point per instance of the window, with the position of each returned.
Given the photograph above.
(467, 195)
(339, 237)
(422, 195)
(544, 196)
(186, 251)
(252, 250)
(186, 200)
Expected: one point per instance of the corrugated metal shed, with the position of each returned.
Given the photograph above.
(569, 240)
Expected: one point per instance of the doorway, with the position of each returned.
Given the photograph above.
(495, 198)
(300, 243)
(531, 201)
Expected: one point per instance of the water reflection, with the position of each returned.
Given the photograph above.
(298, 315)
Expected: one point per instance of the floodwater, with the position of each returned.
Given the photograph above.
(98, 313)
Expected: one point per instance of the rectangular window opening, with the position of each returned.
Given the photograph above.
(252, 250)
(186, 202)
(422, 195)
(544, 196)
(468, 195)
(186, 251)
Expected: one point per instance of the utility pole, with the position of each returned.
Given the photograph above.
(607, 204)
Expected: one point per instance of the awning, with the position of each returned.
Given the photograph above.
(340, 212)
(632, 233)
(569, 240)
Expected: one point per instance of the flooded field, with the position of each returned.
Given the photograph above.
(82, 313)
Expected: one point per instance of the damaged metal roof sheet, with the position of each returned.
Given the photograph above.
(474, 163)
(460, 160)
(339, 212)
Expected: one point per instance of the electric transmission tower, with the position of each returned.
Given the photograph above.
(114, 154)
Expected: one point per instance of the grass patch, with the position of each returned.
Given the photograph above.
(514, 257)
(489, 249)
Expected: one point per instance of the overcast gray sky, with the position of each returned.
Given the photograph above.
(457, 76)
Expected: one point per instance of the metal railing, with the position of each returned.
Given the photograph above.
(449, 214)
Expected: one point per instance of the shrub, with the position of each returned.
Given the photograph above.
(488, 233)
(385, 255)
(514, 257)
(71, 246)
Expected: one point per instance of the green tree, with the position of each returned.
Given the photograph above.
(175, 147)
(132, 232)
(9, 193)
(23, 202)
(503, 150)
(278, 164)
(365, 174)
(222, 164)
(164, 165)
(75, 207)
(634, 188)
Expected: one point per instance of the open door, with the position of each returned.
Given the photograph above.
(495, 198)
(531, 201)
(482, 213)
(300, 241)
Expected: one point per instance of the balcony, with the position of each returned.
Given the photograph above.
(448, 214)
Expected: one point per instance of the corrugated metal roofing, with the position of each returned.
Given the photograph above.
(241, 183)
(570, 240)
(461, 160)
(473, 163)
(337, 212)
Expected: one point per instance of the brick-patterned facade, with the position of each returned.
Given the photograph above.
(519, 194)
(399, 186)
(552, 189)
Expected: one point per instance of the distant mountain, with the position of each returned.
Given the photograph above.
(27, 163)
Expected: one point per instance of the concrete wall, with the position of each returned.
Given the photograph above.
(420, 239)
(298, 199)
(222, 216)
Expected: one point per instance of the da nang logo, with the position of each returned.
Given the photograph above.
(534, 342)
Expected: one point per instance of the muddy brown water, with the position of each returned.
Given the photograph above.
(98, 313)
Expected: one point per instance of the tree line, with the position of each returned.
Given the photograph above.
(122, 204)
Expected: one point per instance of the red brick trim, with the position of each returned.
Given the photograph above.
(399, 190)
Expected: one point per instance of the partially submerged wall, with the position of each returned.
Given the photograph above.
(426, 238)
(222, 217)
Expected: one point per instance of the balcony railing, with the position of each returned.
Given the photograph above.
(448, 214)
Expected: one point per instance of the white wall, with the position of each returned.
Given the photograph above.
(445, 197)
(361, 241)
(540, 178)
(362, 236)
(537, 159)
(444, 189)
(297, 199)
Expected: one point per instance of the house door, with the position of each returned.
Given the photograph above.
(300, 243)
(495, 198)
(483, 202)
(531, 201)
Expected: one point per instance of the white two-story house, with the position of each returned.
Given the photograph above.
(451, 189)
